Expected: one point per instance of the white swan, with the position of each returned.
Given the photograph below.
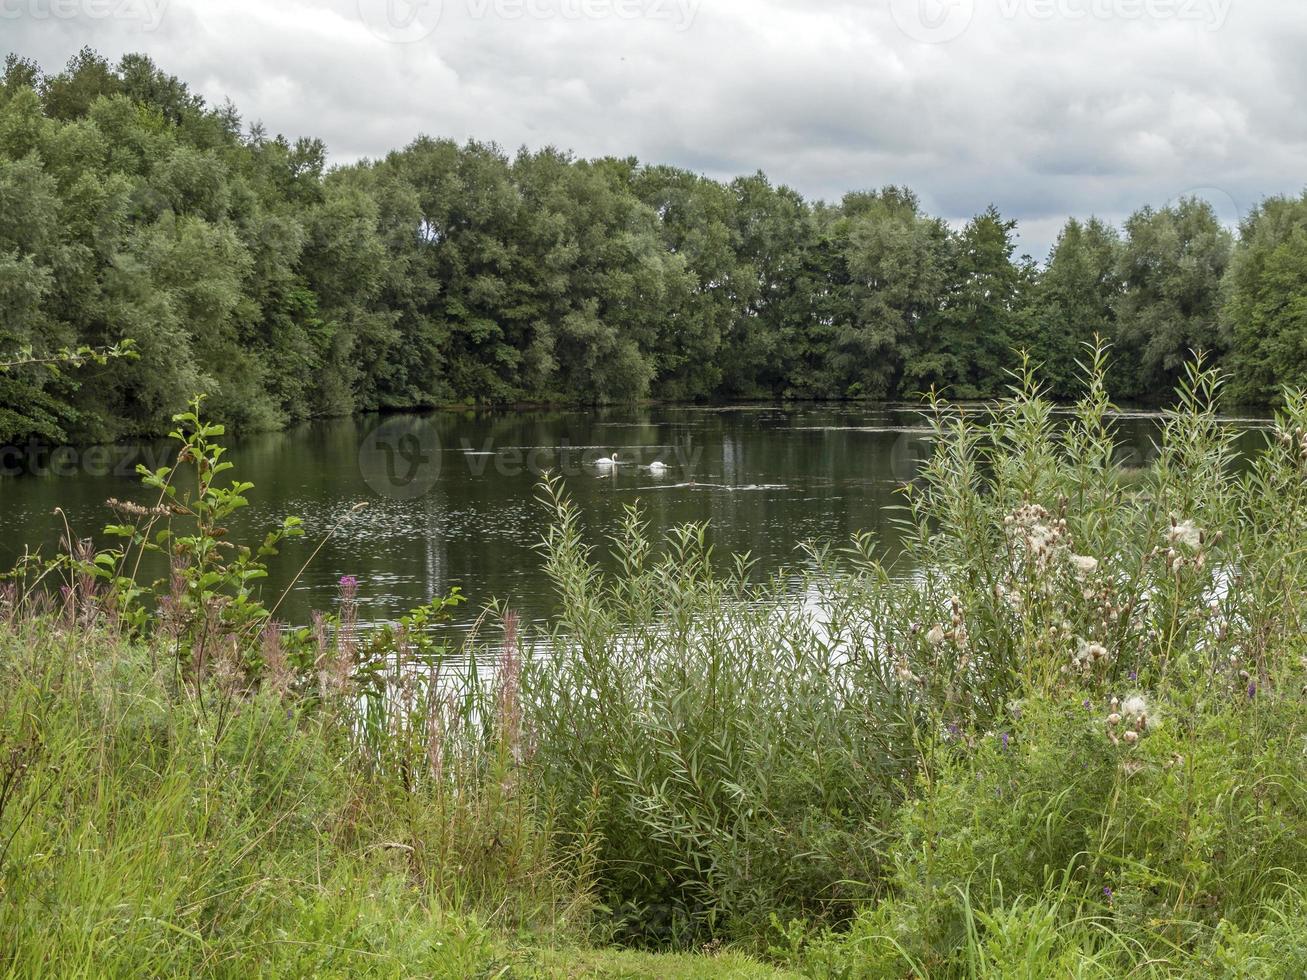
(657, 468)
(606, 463)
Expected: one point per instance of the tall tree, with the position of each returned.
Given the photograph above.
(1170, 267)
(897, 266)
(981, 319)
(1266, 301)
(1075, 300)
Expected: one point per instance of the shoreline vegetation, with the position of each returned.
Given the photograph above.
(35, 449)
(243, 266)
(1072, 745)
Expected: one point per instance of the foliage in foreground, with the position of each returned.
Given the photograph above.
(1065, 736)
(1088, 688)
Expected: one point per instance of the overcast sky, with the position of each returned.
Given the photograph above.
(1046, 108)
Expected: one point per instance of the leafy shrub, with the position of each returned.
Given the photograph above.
(727, 758)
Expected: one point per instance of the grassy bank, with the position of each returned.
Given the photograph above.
(1073, 744)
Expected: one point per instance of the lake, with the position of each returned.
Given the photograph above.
(453, 496)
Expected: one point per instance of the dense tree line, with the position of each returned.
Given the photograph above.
(244, 268)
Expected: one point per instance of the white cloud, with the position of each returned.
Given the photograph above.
(1043, 114)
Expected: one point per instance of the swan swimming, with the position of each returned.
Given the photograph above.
(606, 463)
(657, 467)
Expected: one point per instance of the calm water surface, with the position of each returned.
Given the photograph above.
(453, 497)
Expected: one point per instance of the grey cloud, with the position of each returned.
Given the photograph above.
(1045, 116)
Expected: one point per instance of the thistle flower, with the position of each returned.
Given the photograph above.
(1137, 713)
(1032, 531)
(1186, 533)
(936, 636)
(1090, 655)
(1135, 705)
(1084, 566)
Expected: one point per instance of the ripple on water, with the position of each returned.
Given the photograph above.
(384, 520)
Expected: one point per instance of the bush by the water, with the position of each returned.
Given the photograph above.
(1063, 735)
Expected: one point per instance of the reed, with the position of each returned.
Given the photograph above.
(1063, 736)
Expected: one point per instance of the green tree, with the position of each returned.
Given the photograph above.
(776, 340)
(1075, 300)
(247, 269)
(696, 221)
(1170, 267)
(87, 77)
(981, 319)
(1266, 301)
(897, 266)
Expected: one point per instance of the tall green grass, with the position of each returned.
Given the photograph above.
(742, 758)
(1064, 736)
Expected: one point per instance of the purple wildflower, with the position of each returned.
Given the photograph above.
(342, 668)
(1003, 738)
(1252, 690)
